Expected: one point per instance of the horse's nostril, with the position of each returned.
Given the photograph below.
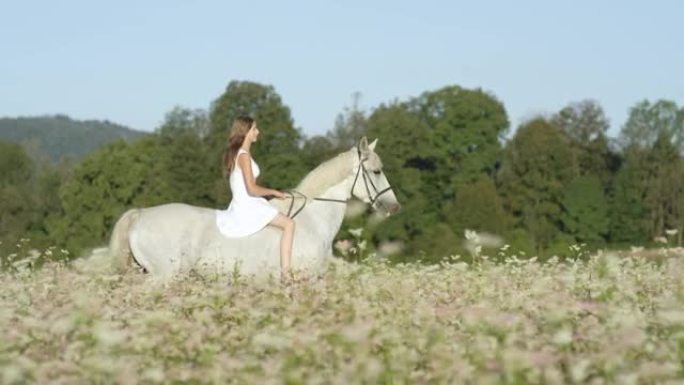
(394, 208)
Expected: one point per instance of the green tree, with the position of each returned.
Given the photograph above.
(434, 243)
(465, 129)
(627, 212)
(407, 160)
(187, 175)
(538, 164)
(16, 201)
(582, 121)
(664, 187)
(46, 201)
(186, 172)
(653, 136)
(433, 146)
(184, 121)
(647, 122)
(316, 150)
(586, 125)
(15, 165)
(477, 206)
(585, 211)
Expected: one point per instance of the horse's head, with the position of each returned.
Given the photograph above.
(370, 183)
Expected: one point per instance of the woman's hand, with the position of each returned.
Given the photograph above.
(279, 194)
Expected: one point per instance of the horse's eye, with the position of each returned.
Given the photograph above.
(376, 172)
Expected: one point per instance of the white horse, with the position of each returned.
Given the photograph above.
(174, 238)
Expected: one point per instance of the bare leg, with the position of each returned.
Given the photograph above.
(288, 226)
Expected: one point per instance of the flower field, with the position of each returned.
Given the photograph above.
(602, 320)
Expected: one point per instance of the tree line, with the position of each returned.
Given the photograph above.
(558, 181)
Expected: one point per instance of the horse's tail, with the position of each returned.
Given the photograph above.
(120, 251)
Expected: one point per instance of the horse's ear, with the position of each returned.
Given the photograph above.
(372, 145)
(363, 144)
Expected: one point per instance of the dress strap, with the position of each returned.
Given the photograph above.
(236, 156)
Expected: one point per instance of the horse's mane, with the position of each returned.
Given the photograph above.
(327, 174)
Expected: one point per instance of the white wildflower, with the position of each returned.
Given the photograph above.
(580, 370)
(470, 235)
(389, 248)
(563, 337)
(356, 232)
(153, 374)
(108, 335)
(672, 316)
(271, 340)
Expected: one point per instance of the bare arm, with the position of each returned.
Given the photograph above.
(253, 189)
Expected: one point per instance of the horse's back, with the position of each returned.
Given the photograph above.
(175, 237)
(166, 238)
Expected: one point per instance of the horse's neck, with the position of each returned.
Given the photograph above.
(327, 175)
(331, 181)
(326, 216)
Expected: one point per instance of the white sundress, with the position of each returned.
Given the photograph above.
(246, 214)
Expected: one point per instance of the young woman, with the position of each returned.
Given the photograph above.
(248, 211)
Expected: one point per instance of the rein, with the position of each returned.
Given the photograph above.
(366, 179)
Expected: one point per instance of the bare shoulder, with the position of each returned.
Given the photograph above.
(244, 161)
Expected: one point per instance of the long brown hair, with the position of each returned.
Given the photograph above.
(241, 126)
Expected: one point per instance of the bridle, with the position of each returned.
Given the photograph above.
(366, 179)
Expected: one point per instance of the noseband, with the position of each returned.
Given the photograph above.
(366, 179)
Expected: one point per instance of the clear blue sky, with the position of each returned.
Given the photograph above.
(132, 61)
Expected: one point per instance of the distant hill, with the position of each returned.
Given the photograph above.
(59, 136)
